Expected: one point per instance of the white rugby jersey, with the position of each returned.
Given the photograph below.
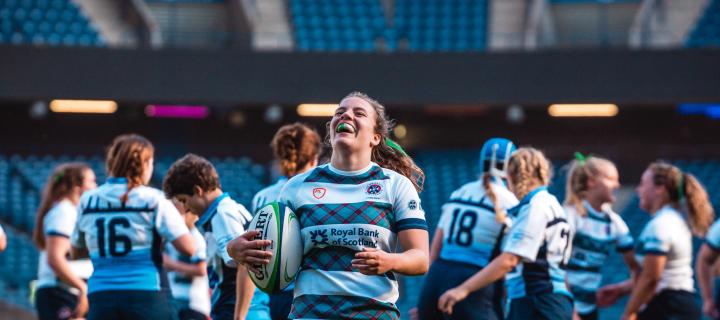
(595, 234)
(223, 221)
(268, 194)
(668, 234)
(541, 236)
(59, 221)
(193, 291)
(712, 238)
(342, 212)
(125, 239)
(470, 232)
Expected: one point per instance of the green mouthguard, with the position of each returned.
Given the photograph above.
(341, 127)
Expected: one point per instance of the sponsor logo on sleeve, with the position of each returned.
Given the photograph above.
(413, 205)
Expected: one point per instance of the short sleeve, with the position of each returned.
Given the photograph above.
(712, 238)
(168, 221)
(288, 192)
(445, 217)
(621, 232)
(201, 247)
(527, 233)
(654, 241)
(408, 211)
(228, 225)
(60, 221)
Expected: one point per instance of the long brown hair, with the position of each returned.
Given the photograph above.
(295, 145)
(528, 169)
(580, 172)
(125, 158)
(61, 184)
(383, 154)
(684, 187)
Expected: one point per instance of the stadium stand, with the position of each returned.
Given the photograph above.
(360, 25)
(707, 30)
(337, 25)
(46, 22)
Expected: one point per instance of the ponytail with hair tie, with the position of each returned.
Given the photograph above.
(395, 145)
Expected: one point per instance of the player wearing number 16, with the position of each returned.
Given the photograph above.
(468, 237)
(535, 248)
(122, 225)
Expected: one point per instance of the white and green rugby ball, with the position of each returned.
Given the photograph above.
(276, 222)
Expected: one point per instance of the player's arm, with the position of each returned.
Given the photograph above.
(57, 248)
(198, 269)
(496, 270)
(436, 245)
(184, 244)
(245, 289)
(704, 269)
(171, 226)
(3, 240)
(648, 280)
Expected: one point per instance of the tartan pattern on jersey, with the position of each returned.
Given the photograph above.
(342, 307)
(366, 212)
(329, 259)
(324, 174)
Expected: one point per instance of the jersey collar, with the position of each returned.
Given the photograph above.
(525, 200)
(350, 173)
(116, 180)
(210, 212)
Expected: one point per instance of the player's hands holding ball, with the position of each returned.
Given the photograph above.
(451, 297)
(373, 261)
(248, 251)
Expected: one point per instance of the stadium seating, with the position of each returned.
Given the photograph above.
(707, 30)
(46, 22)
(437, 25)
(18, 266)
(416, 25)
(22, 180)
(337, 25)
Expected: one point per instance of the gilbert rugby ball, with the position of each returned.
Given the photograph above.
(276, 222)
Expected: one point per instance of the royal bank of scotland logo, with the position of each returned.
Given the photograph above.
(319, 237)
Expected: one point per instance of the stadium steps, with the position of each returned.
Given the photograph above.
(665, 23)
(110, 20)
(593, 23)
(192, 23)
(271, 28)
(506, 24)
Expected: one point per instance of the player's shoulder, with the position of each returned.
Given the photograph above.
(396, 179)
(147, 195)
(271, 191)
(506, 198)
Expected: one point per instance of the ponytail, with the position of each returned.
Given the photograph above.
(685, 190)
(500, 213)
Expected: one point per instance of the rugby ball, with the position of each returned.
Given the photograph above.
(276, 222)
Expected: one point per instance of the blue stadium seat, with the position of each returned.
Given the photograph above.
(45, 22)
(706, 32)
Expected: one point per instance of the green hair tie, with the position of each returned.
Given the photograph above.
(394, 145)
(580, 158)
(59, 177)
(681, 188)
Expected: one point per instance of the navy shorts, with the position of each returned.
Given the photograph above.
(545, 306)
(53, 303)
(129, 304)
(444, 275)
(280, 305)
(672, 304)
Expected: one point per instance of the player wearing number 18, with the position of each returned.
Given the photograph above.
(468, 237)
(536, 246)
(122, 225)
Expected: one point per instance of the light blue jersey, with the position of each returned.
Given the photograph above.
(595, 234)
(268, 195)
(125, 239)
(712, 238)
(470, 232)
(223, 221)
(541, 237)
